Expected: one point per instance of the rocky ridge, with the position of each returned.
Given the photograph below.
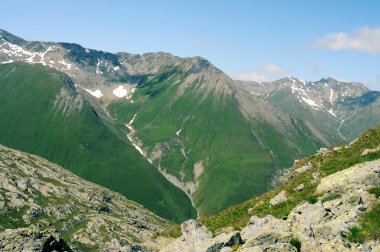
(326, 202)
(42, 205)
(341, 104)
(320, 226)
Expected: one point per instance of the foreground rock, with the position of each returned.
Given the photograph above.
(322, 226)
(196, 237)
(32, 239)
(279, 198)
(42, 205)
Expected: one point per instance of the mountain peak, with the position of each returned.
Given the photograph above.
(9, 37)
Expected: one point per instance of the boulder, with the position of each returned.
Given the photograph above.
(300, 187)
(195, 237)
(269, 224)
(358, 176)
(32, 238)
(193, 232)
(279, 198)
(278, 247)
(368, 151)
(303, 168)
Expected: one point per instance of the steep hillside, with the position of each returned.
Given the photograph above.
(326, 202)
(187, 120)
(42, 112)
(220, 141)
(43, 206)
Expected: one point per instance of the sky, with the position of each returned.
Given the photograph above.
(247, 39)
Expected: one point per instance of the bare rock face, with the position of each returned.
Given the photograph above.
(39, 196)
(322, 226)
(263, 232)
(193, 232)
(32, 239)
(195, 237)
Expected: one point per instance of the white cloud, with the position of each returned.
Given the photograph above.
(253, 76)
(364, 39)
(263, 73)
(273, 69)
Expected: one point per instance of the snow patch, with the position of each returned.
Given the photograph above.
(310, 102)
(179, 131)
(134, 140)
(120, 91)
(133, 119)
(97, 93)
(67, 65)
(331, 96)
(331, 112)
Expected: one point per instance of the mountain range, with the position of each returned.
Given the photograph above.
(176, 135)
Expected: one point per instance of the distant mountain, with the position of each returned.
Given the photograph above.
(341, 110)
(217, 139)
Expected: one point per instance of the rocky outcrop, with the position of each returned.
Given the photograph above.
(279, 198)
(32, 239)
(36, 196)
(322, 226)
(195, 237)
(368, 151)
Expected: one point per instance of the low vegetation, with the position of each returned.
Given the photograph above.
(334, 161)
(296, 243)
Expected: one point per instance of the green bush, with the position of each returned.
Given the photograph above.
(375, 190)
(356, 235)
(312, 199)
(296, 243)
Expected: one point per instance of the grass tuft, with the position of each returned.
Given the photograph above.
(296, 243)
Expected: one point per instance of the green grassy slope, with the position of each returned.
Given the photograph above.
(79, 141)
(238, 216)
(213, 130)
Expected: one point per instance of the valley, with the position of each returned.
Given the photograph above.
(177, 129)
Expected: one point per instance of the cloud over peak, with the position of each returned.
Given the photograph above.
(273, 68)
(262, 74)
(364, 39)
(253, 76)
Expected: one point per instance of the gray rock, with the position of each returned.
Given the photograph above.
(279, 198)
(337, 148)
(193, 232)
(32, 238)
(368, 151)
(316, 177)
(267, 225)
(47, 194)
(303, 168)
(35, 213)
(226, 249)
(376, 169)
(300, 187)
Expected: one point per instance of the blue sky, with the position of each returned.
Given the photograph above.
(259, 40)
